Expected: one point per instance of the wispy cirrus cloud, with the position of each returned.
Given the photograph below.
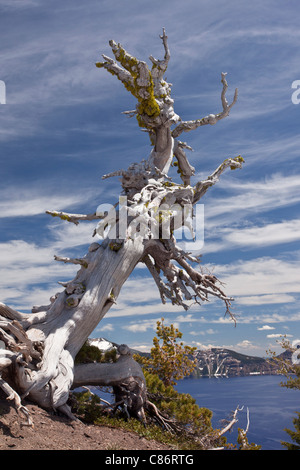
(267, 235)
(243, 198)
(241, 219)
(266, 299)
(261, 276)
(24, 203)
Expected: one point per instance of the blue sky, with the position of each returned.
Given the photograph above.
(61, 129)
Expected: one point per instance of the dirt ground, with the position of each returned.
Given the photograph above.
(53, 432)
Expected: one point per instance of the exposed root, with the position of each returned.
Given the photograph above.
(169, 424)
(13, 396)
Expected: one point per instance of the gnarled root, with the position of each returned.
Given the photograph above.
(12, 395)
(167, 423)
(125, 376)
(131, 393)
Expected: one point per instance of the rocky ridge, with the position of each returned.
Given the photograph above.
(219, 362)
(214, 362)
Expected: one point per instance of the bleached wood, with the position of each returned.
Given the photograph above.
(74, 218)
(41, 346)
(187, 126)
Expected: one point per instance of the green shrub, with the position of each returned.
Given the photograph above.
(89, 353)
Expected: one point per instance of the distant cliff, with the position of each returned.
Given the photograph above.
(217, 362)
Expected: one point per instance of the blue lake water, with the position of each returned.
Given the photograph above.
(272, 407)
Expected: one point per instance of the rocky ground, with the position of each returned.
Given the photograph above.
(53, 432)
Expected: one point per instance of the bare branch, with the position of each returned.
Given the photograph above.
(12, 395)
(17, 333)
(202, 186)
(111, 66)
(10, 313)
(232, 422)
(186, 126)
(184, 282)
(162, 64)
(185, 169)
(74, 218)
(80, 261)
(131, 113)
(135, 75)
(164, 291)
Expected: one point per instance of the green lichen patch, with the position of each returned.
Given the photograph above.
(141, 86)
(115, 246)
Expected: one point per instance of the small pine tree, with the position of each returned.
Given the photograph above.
(89, 353)
(181, 407)
(170, 360)
(294, 382)
(295, 435)
(292, 372)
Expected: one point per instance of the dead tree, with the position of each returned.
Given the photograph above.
(40, 347)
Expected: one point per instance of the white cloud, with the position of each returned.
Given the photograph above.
(28, 271)
(27, 207)
(201, 346)
(107, 327)
(16, 201)
(23, 268)
(246, 345)
(266, 327)
(265, 299)
(141, 347)
(209, 331)
(240, 218)
(140, 326)
(255, 196)
(278, 335)
(16, 4)
(261, 276)
(188, 318)
(270, 234)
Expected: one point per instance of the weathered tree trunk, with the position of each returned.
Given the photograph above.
(62, 329)
(125, 376)
(38, 359)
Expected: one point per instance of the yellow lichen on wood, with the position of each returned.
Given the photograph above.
(141, 86)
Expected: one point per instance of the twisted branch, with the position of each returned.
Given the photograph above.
(202, 186)
(187, 126)
(74, 218)
(161, 64)
(184, 282)
(12, 395)
(80, 261)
